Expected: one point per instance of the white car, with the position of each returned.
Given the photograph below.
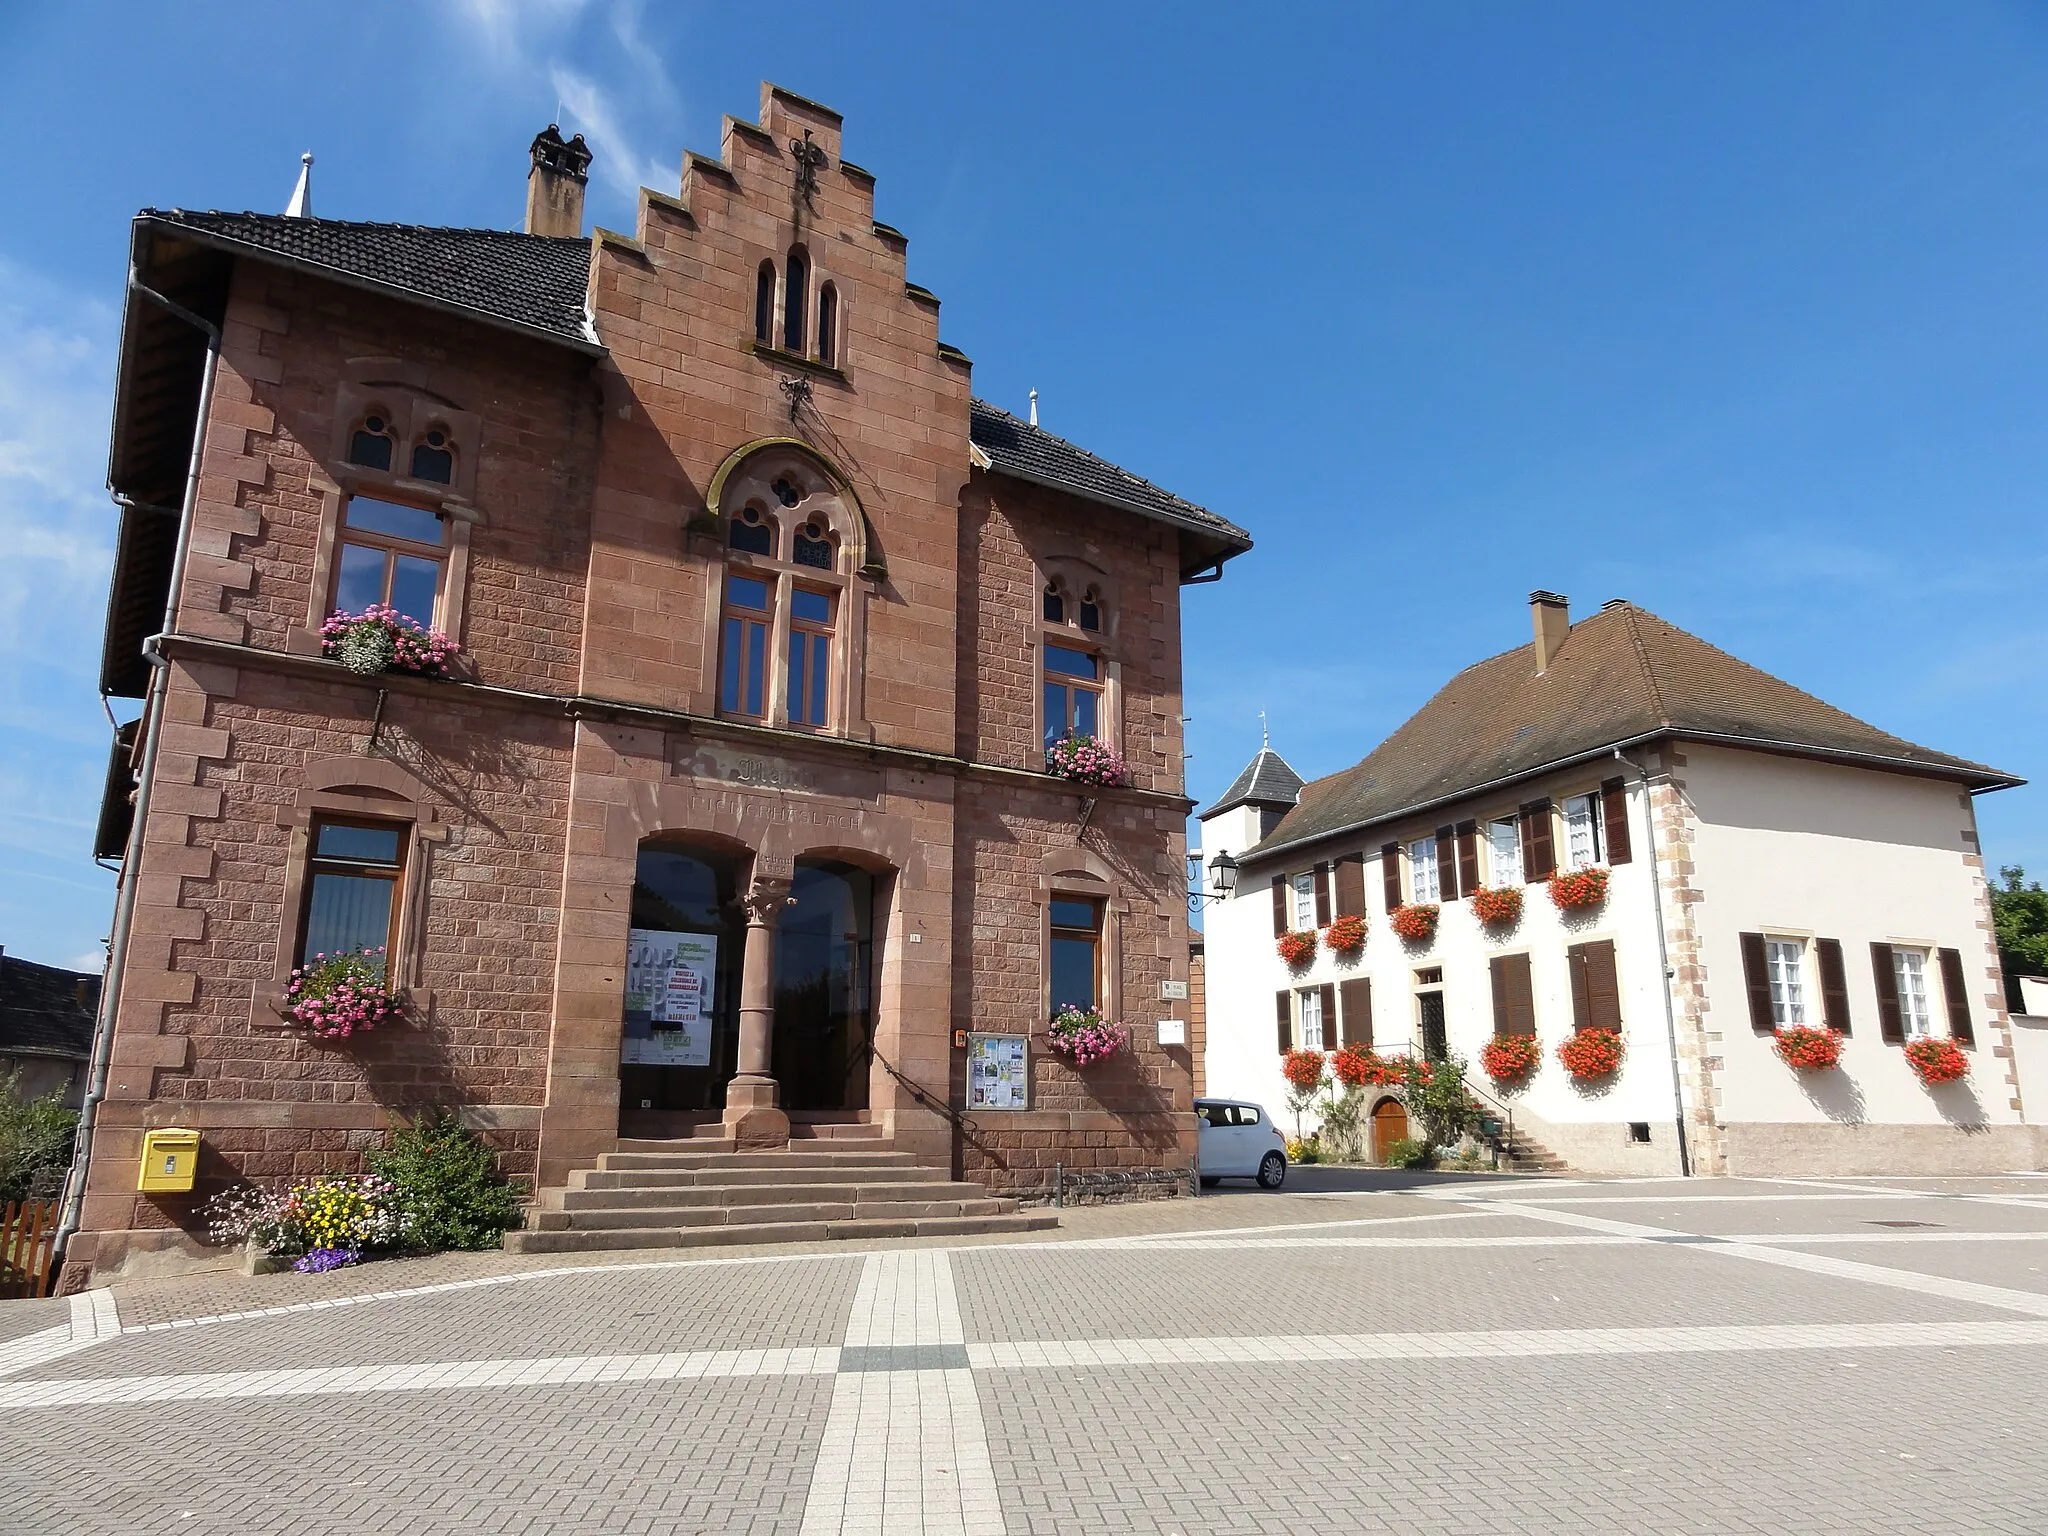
(1239, 1141)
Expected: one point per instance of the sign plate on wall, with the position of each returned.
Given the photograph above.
(669, 979)
(998, 1072)
(1173, 991)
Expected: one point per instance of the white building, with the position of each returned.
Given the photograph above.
(1772, 861)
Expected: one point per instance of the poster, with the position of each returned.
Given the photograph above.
(998, 1072)
(670, 997)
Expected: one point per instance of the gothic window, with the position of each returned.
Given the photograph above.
(1091, 611)
(433, 458)
(764, 304)
(813, 547)
(787, 491)
(828, 324)
(751, 533)
(1055, 605)
(796, 279)
(370, 445)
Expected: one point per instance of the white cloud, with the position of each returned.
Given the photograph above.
(591, 111)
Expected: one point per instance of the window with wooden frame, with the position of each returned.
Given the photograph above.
(1905, 997)
(1596, 987)
(828, 325)
(1909, 972)
(743, 647)
(1785, 967)
(1075, 961)
(354, 870)
(1782, 973)
(1302, 889)
(1504, 851)
(1582, 827)
(1422, 870)
(1073, 693)
(810, 658)
(1309, 1002)
(1514, 995)
(393, 554)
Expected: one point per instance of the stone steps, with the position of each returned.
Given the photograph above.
(858, 1192)
(616, 1217)
(654, 1154)
(760, 1178)
(580, 1240)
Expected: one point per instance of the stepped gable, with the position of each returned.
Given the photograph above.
(1621, 675)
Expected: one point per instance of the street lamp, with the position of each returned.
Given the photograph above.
(1223, 868)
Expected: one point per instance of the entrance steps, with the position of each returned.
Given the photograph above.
(1521, 1155)
(702, 1192)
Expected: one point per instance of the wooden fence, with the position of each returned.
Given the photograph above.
(28, 1231)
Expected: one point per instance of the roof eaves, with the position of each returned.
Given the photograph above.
(1233, 538)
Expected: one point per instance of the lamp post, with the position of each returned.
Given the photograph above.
(1224, 870)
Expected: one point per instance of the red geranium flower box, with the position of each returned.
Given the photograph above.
(1303, 1070)
(1805, 1049)
(1938, 1061)
(1592, 1054)
(1496, 907)
(1510, 1058)
(1416, 922)
(1345, 936)
(1573, 890)
(1298, 947)
(1357, 1067)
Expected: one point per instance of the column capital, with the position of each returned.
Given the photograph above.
(764, 899)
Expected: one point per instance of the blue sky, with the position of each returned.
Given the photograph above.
(1739, 311)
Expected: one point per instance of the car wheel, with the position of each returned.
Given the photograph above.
(1272, 1171)
(1209, 1181)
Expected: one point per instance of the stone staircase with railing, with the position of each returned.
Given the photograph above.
(842, 1182)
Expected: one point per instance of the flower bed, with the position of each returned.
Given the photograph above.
(1084, 1037)
(1416, 922)
(1297, 947)
(1805, 1049)
(1510, 1058)
(1592, 1054)
(381, 639)
(1499, 907)
(1938, 1061)
(339, 994)
(1087, 760)
(1357, 1067)
(1574, 890)
(1303, 1070)
(1345, 936)
(328, 1223)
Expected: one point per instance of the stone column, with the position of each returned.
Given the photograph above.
(753, 1114)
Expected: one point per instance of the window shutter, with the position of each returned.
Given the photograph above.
(1958, 1000)
(1834, 984)
(1357, 997)
(1279, 905)
(1468, 857)
(1350, 883)
(1603, 987)
(1539, 854)
(1286, 1002)
(1329, 1016)
(1322, 878)
(1521, 996)
(1582, 1008)
(1446, 864)
(1498, 966)
(1891, 1028)
(1756, 975)
(1390, 873)
(1614, 808)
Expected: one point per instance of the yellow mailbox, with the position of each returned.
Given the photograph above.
(169, 1160)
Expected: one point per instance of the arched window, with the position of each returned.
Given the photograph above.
(828, 324)
(796, 283)
(750, 532)
(370, 446)
(813, 547)
(764, 304)
(1055, 604)
(1091, 611)
(433, 458)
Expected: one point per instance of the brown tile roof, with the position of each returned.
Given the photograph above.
(1622, 675)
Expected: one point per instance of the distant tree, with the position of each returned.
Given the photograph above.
(2019, 914)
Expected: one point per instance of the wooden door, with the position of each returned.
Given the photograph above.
(1389, 1125)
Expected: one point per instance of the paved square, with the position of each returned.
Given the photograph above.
(1365, 1352)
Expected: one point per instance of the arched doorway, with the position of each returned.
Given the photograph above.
(680, 1042)
(824, 1005)
(1389, 1125)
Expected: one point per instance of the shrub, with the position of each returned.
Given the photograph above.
(35, 1140)
(1938, 1061)
(1297, 947)
(1806, 1049)
(1573, 890)
(1510, 1058)
(1304, 1149)
(1409, 1153)
(1592, 1053)
(1084, 1036)
(1434, 1093)
(1415, 923)
(1345, 1128)
(1345, 936)
(447, 1184)
(1497, 906)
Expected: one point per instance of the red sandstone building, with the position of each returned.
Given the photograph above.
(765, 623)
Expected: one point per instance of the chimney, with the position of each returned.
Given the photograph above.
(554, 187)
(1552, 614)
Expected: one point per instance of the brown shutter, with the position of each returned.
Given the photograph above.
(1446, 864)
(1521, 996)
(1390, 873)
(1891, 1028)
(1603, 987)
(1322, 878)
(1498, 967)
(1279, 905)
(1286, 1002)
(1582, 1008)
(1539, 853)
(1614, 809)
(1756, 975)
(1350, 883)
(1329, 1016)
(1357, 998)
(1958, 1000)
(1834, 984)
(1468, 857)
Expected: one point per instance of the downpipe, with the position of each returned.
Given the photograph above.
(152, 727)
(1663, 963)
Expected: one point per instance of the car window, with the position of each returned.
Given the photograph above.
(1246, 1115)
(1216, 1114)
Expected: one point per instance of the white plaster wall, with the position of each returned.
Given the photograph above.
(1785, 845)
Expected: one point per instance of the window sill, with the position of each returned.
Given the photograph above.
(769, 354)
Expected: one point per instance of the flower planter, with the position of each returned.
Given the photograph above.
(1592, 1054)
(338, 995)
(1414, 923)
(1575, 890)
(1938, 1061)
(381, 639)
(1087, 760)
(1497, 908)
(1296, 948)
(1356, 1067)
(1084, 1037)
(1345, 936)
(1805, 1049)
(1303, 1070)
(1511, 1058)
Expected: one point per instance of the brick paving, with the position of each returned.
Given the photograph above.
(1428, 1357)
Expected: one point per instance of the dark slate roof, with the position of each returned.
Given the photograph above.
(533, 283)
(42, 1012)
(1031, 453)
(1621, 675)
(1266, 780)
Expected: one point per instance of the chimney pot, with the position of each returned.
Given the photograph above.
(554, 187)
(1551, 613)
